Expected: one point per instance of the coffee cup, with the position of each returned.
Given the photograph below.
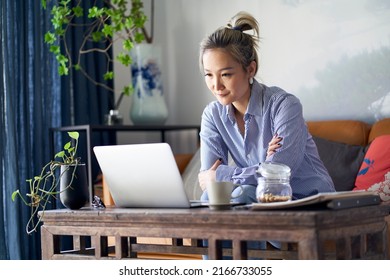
(220, 193)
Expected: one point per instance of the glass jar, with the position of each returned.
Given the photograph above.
(273, 184)
(113, 118)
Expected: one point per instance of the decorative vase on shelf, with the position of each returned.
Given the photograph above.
(148, 104)
(74, 192)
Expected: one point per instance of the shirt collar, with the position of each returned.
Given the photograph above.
(255, 100)
(229, 113)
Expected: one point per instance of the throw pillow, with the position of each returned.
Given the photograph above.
(382, 188)
(374, 171)
(341, 160)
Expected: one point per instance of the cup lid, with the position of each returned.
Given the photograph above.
(273, 170)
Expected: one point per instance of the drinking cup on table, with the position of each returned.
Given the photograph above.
(221, 192)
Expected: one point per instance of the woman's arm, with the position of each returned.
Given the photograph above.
(208, 175)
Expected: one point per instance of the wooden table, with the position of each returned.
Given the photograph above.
(356, 233)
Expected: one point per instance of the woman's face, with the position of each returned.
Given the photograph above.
(226, 78)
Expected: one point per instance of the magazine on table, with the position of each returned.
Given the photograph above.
(333, 200)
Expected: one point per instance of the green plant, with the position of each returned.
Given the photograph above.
(110, 21)
(44, 187)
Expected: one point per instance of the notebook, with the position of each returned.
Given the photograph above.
(143, 175)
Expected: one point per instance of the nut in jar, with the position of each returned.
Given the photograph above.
(269, 197)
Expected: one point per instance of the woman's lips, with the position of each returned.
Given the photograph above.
(221, 94)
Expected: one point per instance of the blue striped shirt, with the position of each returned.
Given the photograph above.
(270, 110)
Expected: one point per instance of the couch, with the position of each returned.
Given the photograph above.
(342, 145)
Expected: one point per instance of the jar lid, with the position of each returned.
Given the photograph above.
(273, 170)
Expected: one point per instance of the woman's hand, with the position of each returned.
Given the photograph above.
(274, 145)
(208, 175)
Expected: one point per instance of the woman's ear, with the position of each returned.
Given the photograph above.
(251, 69)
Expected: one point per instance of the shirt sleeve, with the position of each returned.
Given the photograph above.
(213, 147)
(288, 123)
(237, 175)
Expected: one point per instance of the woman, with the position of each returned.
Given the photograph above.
(249, 117)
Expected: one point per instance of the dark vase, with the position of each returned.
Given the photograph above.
(74, 193)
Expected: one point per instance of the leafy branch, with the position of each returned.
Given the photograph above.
(109, 21)
(43, 187)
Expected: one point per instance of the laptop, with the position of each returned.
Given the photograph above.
(143, 175)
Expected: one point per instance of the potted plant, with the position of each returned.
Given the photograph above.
(64, 176)
(110, 21)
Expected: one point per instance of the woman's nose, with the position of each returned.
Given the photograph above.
(218, 85)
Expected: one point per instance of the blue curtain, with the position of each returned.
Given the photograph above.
(33, 98)
(30, 104)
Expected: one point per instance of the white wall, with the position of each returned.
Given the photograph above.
(334, 55)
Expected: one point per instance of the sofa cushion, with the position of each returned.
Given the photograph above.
(182, 161)
(379, 128)
(382, 188)
(190, 177)
(374, 173)
(341, 160)
(350, 132)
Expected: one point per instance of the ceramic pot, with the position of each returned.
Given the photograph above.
(148, 103)
(74, 192)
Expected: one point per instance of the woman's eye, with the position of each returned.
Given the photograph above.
(207, 75)
(226, 75)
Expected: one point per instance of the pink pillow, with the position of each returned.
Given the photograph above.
(374, 171)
